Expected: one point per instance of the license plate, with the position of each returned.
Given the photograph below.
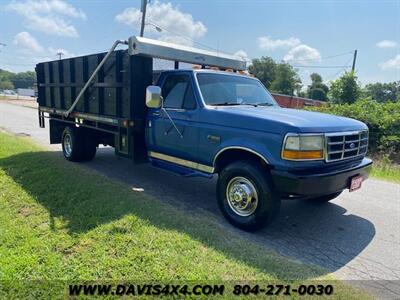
(355, 183)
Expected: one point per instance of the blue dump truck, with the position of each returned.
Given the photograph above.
(201, 117)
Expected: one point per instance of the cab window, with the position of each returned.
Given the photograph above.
(177, 92)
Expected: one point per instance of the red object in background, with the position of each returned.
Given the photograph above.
(295, 102)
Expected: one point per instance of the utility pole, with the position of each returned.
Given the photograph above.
(59, 53)
(354, 61)
(143, 10)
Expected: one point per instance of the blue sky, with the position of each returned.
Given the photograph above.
(304, 33)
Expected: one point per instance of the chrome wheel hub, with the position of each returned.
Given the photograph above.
(68, 145)
(242, 196)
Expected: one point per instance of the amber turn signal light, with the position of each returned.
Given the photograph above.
(293, 154)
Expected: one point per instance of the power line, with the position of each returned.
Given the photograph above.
(334, 75)
(322, 58)
(323, 67)
(339, 72)
(181, 35)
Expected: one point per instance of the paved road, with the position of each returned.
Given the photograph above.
(356, 236)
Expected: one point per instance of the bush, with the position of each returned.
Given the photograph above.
(383, 120)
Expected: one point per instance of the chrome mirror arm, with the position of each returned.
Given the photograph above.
(169, 117)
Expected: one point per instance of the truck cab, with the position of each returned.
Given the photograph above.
(205, 122)
(210, 122)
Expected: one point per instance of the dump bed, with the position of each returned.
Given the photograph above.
(105, 93)
(117, 91)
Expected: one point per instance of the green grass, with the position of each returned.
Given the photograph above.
(62, 223)
(385, 170)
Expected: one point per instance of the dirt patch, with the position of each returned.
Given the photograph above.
(22, 134)
(30, 102)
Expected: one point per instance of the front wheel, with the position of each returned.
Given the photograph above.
(246, 195)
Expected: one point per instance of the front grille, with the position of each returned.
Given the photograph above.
(341, 146)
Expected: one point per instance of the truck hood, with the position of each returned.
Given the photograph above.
(264, 118)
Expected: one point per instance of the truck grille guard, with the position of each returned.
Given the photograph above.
(345, 145)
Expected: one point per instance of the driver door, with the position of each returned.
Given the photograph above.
(181, 140)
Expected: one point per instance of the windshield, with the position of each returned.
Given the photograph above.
(221, 89)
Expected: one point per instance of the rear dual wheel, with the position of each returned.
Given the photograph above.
(77, 145)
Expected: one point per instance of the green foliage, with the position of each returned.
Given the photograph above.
(384, 168)
(345, 89)
(6, 85)
(317, 90)
(24, 79)
(382, 92)
(9, 80)
(317, 94)
(302, 94)
(264, 69)
(286, 80)
(383, 120)
(278, 77)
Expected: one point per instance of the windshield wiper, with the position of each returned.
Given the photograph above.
(264, 104)
(225, 104)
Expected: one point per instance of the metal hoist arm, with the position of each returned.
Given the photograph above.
(116, 43)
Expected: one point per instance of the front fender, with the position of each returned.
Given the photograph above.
(260, 149)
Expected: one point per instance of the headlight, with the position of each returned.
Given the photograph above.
(303, 147)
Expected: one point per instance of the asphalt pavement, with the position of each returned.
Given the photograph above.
(356, 236)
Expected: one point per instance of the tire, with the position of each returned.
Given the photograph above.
(90, 148)
(247, 178)
(75, 146)
(325, 198)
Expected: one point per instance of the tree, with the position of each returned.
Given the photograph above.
(345, 89)
(6, 85)
(24, 79)
(10, 80)
(382, 92)
(286, 80)
(279, 78)
(264, 69)
(317, 90)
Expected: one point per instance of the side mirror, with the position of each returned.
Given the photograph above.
(153, 96)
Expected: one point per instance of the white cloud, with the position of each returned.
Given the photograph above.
(242, 55)
(302, 54)
(386, 44)
(25, 40)
(46, 7)
(266, 43)
(52, 26)
(174, 23)
(176, 39)
(48, 16)
(393, 63)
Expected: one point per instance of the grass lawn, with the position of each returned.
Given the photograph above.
(62, 223)
(386, 171)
